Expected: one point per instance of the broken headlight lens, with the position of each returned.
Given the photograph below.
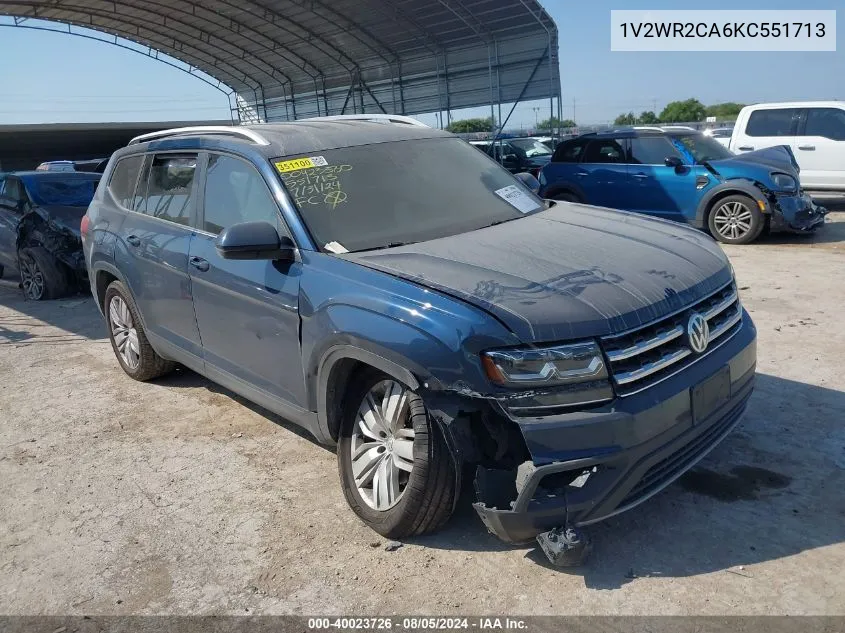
(785, 182)
(545, 366)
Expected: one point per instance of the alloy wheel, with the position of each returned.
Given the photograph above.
(32, 279)
(383, 445)
(732, 220)
(124, 333)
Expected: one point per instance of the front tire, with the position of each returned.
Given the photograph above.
(396, 470)
(42, 276)
(736, 220)
(128, 340)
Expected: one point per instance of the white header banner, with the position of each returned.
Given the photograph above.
(702, 30)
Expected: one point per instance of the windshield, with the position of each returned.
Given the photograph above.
(698, 148)
(374, 196)
(61, 191)
(530, 146)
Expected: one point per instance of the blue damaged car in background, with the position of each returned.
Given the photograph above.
(679, 174)
(441, 319)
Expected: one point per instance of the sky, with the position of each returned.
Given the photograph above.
(56, 77)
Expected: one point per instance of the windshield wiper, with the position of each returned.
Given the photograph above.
(498, 222)
(383, 246)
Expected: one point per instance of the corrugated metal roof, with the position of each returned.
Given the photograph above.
(299, 58)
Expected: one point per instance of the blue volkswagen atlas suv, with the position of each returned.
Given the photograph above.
(406, 299)
(679, 174)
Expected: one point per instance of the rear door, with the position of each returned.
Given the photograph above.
(654, 188)
(559, 174)
(821, 148)
(767, 127)
(153, 249)
(11, 198)
(603, 173)
(247, 310)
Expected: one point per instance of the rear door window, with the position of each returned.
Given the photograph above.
(773, 122)
(825, 122)
(168, 192)
(605, 150)
(570, 151)
(13, 190)
(124, 180)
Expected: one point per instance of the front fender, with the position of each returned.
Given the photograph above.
(729, 187)
(398, 348)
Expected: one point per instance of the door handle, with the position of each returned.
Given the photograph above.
(745, 148)
(135, 241)
(199, 263)
(808, 148)
(639, 176)
(581, 174)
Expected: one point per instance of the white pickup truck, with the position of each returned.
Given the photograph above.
(814, 131)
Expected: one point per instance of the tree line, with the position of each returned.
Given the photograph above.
(465, 126)
(687, 111)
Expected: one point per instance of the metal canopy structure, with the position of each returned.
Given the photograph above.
(290, 59)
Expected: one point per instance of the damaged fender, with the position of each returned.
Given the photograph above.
(56, 229)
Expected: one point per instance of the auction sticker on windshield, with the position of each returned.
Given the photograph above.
(517, 198)
(300, 163)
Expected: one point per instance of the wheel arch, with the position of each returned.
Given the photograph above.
(564, 187)
(335, 372)
(730, 188)
(104, 273)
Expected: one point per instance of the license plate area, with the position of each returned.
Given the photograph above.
(710, 394)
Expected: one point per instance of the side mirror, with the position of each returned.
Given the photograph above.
(254, 240)
(673, 161)
(529, 181)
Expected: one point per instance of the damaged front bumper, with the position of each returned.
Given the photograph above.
(796, 214)
(590, 465)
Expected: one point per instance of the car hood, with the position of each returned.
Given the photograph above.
(569, 272)
(779, 158)
(63, 217)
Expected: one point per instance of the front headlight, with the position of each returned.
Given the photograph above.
(545, 366)
(785, 182)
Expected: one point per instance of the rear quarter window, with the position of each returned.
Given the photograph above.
(124, 180)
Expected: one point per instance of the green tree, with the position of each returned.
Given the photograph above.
(683, 111)
(554, 123)
(727, 110)
(625, 119)
(471, 125)
(648, 118)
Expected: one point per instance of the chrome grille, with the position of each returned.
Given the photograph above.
(641, 357)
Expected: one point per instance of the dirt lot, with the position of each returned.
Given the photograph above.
(176, 497)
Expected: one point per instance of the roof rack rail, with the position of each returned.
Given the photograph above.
(375, 118)
(222, 130)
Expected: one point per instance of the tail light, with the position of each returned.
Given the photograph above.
(83, 226)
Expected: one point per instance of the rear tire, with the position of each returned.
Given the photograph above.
(736, 220)
(42, 277)
(384, 423)
(566, 196)
(1, 271)
(128, 340)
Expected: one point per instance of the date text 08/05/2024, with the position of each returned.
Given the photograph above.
(417, 623)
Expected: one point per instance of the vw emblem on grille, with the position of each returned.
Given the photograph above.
(698, 333)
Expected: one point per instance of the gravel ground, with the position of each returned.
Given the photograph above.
(178, 497)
